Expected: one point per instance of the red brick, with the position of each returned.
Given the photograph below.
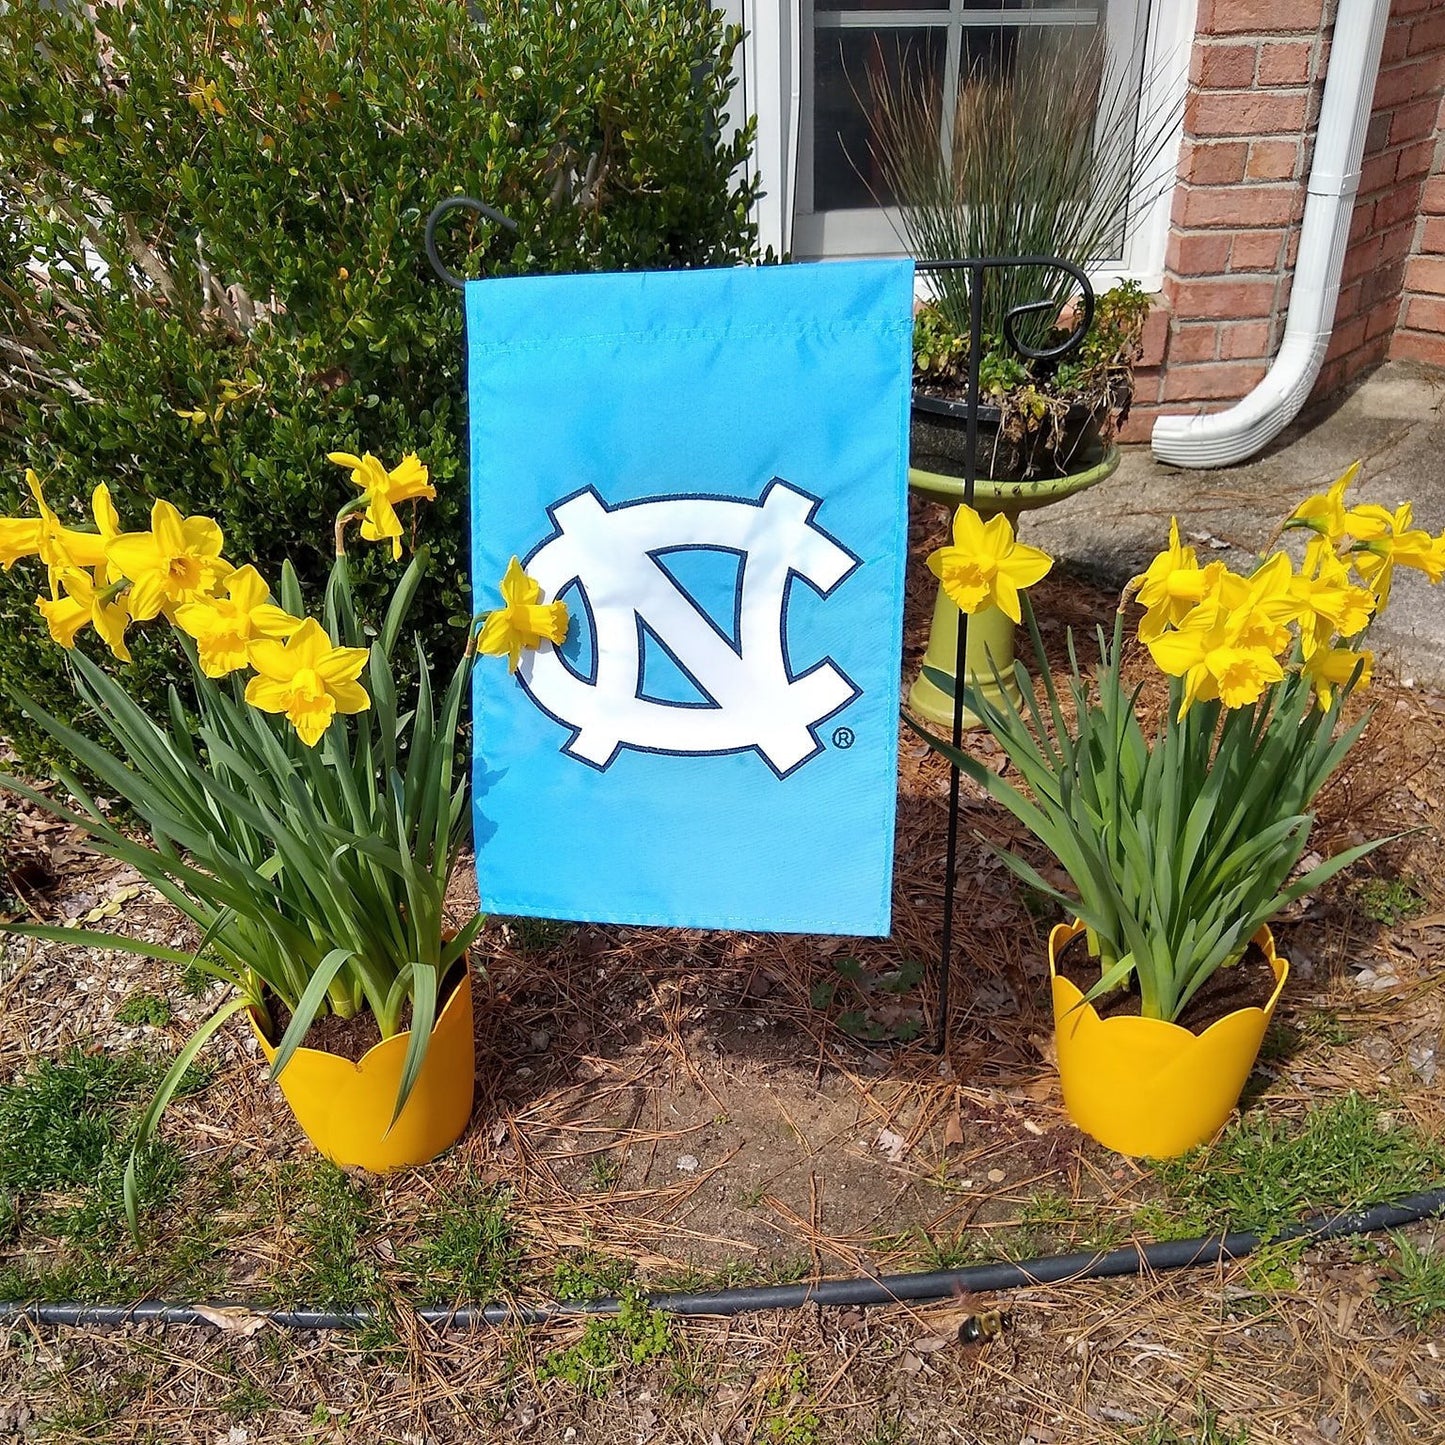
(1397, 242)
(1360, 258)
(1222, 67)
(1285, 64)
(1140, 424)
(1415, 160)
(1362, 221)
(1256, 251)
(1272, 160)
(1236, 17)
(1378, 172)
(1418, 346)
(1396, 85)
(1381, 319)
(1397, 42)
(1427, 274)
(1193, 341)
(1232, 300)
(1235, 206)
(1346, 338)
(1246, 112)
(1212, 380)
(1432, 199)
(1377, 132)
(1381, 283)
(1427, 34)
(1198, 253)
(1401, 204)
(1432, 236)
(1155, 337)
(1414, 122)
(1425, 313)
(1243, 340)
(1212, 165)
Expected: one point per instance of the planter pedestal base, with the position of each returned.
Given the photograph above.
(990, 633)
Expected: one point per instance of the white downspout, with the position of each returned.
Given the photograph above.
(1222, 438)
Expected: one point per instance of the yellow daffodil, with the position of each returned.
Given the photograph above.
(1330, 604)
(1206, 650)
(178, 560)
(1326, 513)
(1398, 544)
(225, 627)
(1262, 606)
(384, 489)
(1173, 583)
(308, 678)
(57, 546)
(1330, 667)
(985, 566)
(78, 598)
(524, 622)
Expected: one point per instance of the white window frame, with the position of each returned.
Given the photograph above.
(776, 64)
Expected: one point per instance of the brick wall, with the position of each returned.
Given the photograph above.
(1391, 279)
(1256, 75)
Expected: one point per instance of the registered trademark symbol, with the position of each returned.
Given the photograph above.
(843, 738)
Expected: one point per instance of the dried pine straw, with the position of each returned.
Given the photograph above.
(676, 1100)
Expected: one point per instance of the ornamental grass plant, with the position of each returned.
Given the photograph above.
(301, 814)
(1182, 841)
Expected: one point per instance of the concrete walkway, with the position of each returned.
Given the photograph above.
(1393, 422)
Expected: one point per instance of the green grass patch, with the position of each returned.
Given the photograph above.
(1415, 1286)
(66, 1130)
(1207, 1429)
(790, 1416)
(635, 1335)
(1266, 1171)
(330, 1213)
(583, 1274)
(150, 1009)
(470, 1251)
(1390, 901)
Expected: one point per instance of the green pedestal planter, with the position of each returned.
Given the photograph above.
(990, 633)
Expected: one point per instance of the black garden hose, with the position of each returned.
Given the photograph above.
(865, 1290)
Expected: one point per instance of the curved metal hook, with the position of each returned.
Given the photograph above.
(453, 203)
(977, 267)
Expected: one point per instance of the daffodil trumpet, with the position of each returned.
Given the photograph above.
(303, 816)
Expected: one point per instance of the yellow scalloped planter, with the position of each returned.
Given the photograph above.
(345, 1107)
(1146, 1087)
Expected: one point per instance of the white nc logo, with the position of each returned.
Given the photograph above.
(751, 698)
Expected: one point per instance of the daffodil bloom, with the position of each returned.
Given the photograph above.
(178, 560)
(1331, 667)
(308, 678)
(985, 566)
(1206, 650)
(225, 627)
(78, 598)
(1398, 543)
(1326, 513)
(384, 489)
(1330, 603)
(1172, 585)
(45, 537)
(1262, 608)
(524, 622)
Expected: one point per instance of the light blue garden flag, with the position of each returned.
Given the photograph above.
(709, 469)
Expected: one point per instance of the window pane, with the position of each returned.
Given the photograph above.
(822, 6)
(849, 66)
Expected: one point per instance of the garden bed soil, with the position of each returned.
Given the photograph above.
(347, 1038)
(1246, 984)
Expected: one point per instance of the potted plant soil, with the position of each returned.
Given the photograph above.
(1182, 838)
(301, 815)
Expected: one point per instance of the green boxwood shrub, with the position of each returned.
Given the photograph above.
(211, 260)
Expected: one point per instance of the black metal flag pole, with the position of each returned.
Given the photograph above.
(977, 268)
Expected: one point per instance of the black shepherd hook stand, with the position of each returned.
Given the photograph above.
(977, 268)
(458, 203)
